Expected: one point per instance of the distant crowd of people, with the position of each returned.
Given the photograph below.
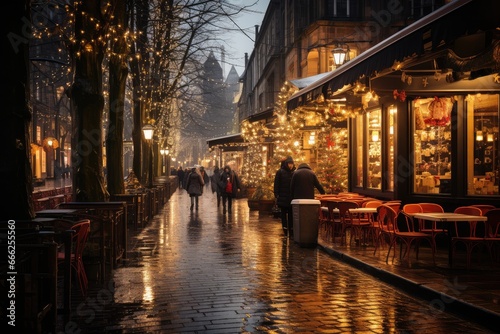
(289, 183)
(224, 183)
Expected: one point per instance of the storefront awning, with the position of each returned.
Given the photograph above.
(441, 27)
(226, 140)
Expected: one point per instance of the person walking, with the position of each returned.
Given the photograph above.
(282, 193)
(194, 186)
(303, 183)
(230, 183)
(214, 182)
(180, 176)
(204, 175)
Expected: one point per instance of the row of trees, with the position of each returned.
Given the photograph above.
(148, 52)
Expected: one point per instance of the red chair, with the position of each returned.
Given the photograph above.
(484, 207)
(409, 210)
(333, 223)
(396, 205)
(386, 218)
(79, 239)
(430, 227)
(493, 233)
(374, 227)
(465, 233)
(345, 218)
(407, 237)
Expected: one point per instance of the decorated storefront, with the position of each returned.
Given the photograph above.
(422, 108)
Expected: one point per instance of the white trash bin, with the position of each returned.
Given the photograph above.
(305, 221)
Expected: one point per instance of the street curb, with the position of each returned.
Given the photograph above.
(438, 300)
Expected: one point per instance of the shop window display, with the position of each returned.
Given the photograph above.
(483, 144)
(374, 176)
(432, 145)
(390, 143)
(358, 141)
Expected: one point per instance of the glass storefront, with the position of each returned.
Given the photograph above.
(483, 162)
(374, 158)
(374, 140)
(432, 145)
(358, 142)
(390, 129)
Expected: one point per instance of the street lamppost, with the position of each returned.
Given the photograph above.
(340, 55)
(162, 152)
(148, 131)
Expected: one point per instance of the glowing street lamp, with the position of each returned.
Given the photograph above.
(148, 131)
(340, 55)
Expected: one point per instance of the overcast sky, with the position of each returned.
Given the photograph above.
(238, 42)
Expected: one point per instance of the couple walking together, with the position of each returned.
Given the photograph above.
(291, 183)
(225, 184)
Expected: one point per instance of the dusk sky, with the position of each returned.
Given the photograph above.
(238, 42)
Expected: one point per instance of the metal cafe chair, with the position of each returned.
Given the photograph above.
(465, 233)
(79, 238)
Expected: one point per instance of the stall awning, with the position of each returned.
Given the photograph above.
(225, 140)
(441, 27)
(304, 82)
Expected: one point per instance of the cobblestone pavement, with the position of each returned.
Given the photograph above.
(204, 272)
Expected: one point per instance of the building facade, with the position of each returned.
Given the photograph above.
(418, 94)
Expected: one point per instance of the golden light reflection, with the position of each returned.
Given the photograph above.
(147, 294)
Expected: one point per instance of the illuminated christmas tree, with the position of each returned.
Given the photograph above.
(332, 160)
(286, 135)
(253, 170)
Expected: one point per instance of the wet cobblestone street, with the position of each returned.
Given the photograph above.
(203, 272)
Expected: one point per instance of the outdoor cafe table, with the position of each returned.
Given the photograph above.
(56, 213)
(448, 217)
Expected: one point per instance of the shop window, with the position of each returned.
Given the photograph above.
(483, 144)
(390, 144)
(432, 145)
(358, 142)
(374, 135)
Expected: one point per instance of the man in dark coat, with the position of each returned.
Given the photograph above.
(227, 176)
(282, 194)
(214, 181)
(303, 183)
(180, 175)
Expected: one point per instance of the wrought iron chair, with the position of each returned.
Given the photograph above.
(465, 233)
(79, 239)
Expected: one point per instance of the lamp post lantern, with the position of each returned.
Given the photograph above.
(340, 55)
(148, 131)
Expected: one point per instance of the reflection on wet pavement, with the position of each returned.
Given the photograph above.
(203, 272)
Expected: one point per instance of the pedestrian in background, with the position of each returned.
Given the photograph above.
(180, 176)
(194, 186)
(204, 175)
(214, 181)
(283, 195)
(229, 176)
(187, 171)
(303, 182)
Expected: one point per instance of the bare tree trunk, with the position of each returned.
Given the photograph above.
(15, 170)
(139, 23)
(88, 104)
(118, 71)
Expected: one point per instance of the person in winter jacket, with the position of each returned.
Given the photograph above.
(282, 193)
(194, 186)
(303, 183)
(214, 181)
(229, 176)
(204, 175)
